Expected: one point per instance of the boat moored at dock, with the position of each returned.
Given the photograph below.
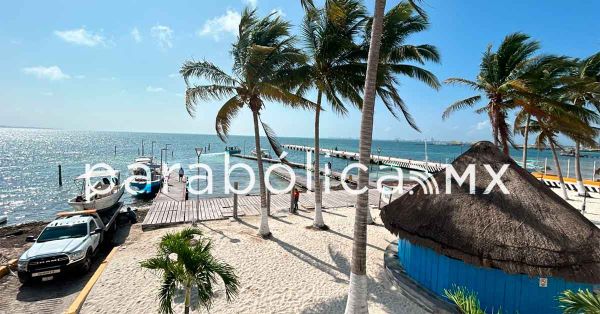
(102, 195)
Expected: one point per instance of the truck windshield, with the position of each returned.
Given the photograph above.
(63, 232)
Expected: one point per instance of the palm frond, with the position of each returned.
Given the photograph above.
(582, 301)
(225, 115)
(272, 138)
(461, 104)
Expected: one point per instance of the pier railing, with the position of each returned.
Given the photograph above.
(418, 165)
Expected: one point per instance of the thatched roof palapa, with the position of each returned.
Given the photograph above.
(529, 231)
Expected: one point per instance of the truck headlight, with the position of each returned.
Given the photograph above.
(77, 255)
(22, 265)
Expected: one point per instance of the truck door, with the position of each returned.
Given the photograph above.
(95, 237)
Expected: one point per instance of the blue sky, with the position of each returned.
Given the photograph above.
(111, 65)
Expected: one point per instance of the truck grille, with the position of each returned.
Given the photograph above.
(48, 262)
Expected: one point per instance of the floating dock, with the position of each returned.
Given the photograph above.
(418, 165)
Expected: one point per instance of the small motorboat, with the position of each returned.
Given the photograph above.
(101, 195)
(263, 153)
(232, 150)
(142, 186)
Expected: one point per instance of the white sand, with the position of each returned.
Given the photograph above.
(592, 204)
(297, 271)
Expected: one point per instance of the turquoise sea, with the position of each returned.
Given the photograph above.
(29, 160)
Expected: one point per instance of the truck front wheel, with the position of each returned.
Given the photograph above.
(24, 278)
(87, 263)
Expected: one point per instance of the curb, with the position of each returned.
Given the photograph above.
(80, 299)
(5, 269)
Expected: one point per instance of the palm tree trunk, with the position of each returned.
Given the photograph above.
(559, 172)
(188, 295)
(264, 216)
(318, 222)
(580, 187)
(526, 135)
(357, 295)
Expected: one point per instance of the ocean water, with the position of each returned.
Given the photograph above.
(29, 160)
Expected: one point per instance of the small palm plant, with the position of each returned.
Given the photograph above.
(185, 261)
(465, 300)
(585, 302)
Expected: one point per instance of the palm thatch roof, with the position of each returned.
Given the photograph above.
(529, 231)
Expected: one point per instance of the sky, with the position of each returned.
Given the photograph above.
(112, 65)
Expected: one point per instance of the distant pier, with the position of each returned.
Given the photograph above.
(418, 165)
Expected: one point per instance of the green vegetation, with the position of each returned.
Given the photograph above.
(186, 263)
(580, 302)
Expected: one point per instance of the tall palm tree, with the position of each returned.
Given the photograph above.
(357, 294)
(387, 52)
(497, 71)
(329, 37)
(263, 56)
(583, 89)
(185, 261)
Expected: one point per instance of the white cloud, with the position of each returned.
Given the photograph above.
(482, 125)
(163, 34)
(251, 3)
(135, 33)
(151, 89)
(278, 12)
(227, 23)
(53, 73)
(81, 37)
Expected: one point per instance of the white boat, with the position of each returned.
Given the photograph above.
(263, 153)
(99, 195)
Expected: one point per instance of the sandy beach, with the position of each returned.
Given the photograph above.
(299, 270)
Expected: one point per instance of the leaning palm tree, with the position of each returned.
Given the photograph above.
(583, 89)
(497, 71)
(185, 261)
(329, 37)
(263, 56)
(387, 52)
(539, 84)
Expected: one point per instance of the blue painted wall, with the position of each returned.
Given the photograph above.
(494, 288)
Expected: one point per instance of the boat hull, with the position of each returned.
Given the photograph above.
(145, 190)
(99, 204)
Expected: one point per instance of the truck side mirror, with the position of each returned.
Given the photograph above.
(30, 239)
(97, 231)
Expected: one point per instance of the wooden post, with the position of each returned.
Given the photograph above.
(115, 150)
(594, 172)
(59, 175)
(235, 201)
(379, 206)
(268, 202)
(568, 167)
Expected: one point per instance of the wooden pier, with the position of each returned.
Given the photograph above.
(165, 212)
(418, 165)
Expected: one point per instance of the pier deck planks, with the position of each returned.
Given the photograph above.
(166, 211)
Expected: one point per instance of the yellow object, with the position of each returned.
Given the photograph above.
(567, 180)
(78, 302)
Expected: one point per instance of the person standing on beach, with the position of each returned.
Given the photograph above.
(296, 199)
(181, 173)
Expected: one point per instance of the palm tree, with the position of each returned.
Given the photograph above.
(387, 51)
(185, 261)
(582, 301)
(539, 83)
(497, 71)
(263, 56)
(583, 89)
(329, 37)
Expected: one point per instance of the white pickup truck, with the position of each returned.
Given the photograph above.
(66, 244)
